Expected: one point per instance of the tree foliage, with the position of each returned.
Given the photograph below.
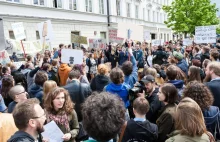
(184, 15)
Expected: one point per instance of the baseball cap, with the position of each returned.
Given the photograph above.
(178, 55)
(147, 79)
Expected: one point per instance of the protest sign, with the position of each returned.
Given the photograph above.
(156, 42)
(18, 30)
(18, 64)
(113, 38)
(45, 31)
(4, 57)
(78, 39)
(147, 35)
(187, 42)
(52, 132)
(97, 43)
(205, 34)
(131, 31)
(72, 56)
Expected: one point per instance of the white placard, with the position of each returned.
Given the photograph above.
(4, 57)
(18, 64)
(45, 31)
(97, 43)
(52, 132)
(156, 42)
(205, 34)
(147, 35)
(71, 56)
(18, 30)
(187, 42)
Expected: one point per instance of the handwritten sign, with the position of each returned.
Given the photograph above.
(4, 57)
(97, 43)
(147, 35)
(78, 39)
(52, 132)
(156, 42)
(113, 37)
(71, 56)
(18, 30)
(187, 42)
(205, 34)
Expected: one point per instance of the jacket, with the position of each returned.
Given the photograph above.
(133, 77)
(183, 66)
(78, 93)
(100, 60)
(165, 122)
(54, 75)
(179, 84)
(121, 90)
(140, 131)
(36, 91)
(177, 137)
(21, 136)
(11, 106)
(205, 56)
(7, 126)
(123, 56)
(159, 57)
(212, 118)
(138, 54)
(99, 82)
(155, 106)
(213, 85)
(63, 73)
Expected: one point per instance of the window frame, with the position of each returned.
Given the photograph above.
(118, 7)
(136, 11)
(88, 5)
(38, 3)
(128, 9)
(55, 4)
(14, 1)
(73, 4)
(101, 7)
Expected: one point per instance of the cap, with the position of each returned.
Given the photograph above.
(178, 55)
(147, 79)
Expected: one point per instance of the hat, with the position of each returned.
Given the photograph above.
(178, 55)
(148, 78)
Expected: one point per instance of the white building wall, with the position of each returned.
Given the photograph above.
(64, 20)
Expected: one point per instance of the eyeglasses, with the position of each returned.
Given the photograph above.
(39, 116)
(21, 93)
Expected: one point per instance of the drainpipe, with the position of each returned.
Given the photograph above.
(108, 16)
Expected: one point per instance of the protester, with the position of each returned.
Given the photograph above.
(152, 71)
(180, 62)
(54, 70)
(194, 74)
(82, 69)
(214, 55)
(205, 53)
(102, 59)
(29, 118)
(63, 73)
(60, 109)
(7, 84)
(110, 111)
(47, 87)
(18, 94)
(138, 55)
(3, 107)
(159, 56)
(92, 66)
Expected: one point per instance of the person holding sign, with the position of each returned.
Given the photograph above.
(59, 108)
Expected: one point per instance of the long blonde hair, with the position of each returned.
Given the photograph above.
(48, 86)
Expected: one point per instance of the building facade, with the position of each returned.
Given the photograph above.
(87, 18)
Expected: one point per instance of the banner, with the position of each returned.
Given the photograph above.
(156, 42)
(18, 30)
(72, 56)
(45, 31)
(78, 39)
(97, 43)
(30, 47)
(187, 42)
(205, 34)
(147, 35)
(113, 38)
(4, 57)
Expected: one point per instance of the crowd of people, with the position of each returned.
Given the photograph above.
(129, 92)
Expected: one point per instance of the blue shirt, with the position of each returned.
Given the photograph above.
(139, 119)
(2, 104)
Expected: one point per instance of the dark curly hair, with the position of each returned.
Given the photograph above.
(103, 116)
(199, 93)
(127, 68)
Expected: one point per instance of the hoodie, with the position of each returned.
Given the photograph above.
(21, 136)
(212, 116)
(121, 90)
(99, 82)
(63, 73)
(36, 91)
(179, 84)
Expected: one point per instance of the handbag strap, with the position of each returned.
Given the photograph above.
(122, 131)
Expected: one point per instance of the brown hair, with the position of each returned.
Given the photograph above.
(48, 103)
(214, 54)
(189, 119)
(199, 93)
(48, 86)
(102, 69)
(54, 62)
(23, 112)
(151, 71)
(205, 63)
(170, 92)
(141, 105)
(40, 78)
(127, 68)
(171, 72)
(46, 66)
(117, 76)
(7, 84)
(215, 67)
(194, 74)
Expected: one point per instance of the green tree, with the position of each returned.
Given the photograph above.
(184, 15)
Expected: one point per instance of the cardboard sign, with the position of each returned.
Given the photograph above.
(45, 31)
(18, 30)
(71, 56)
(78, 39)
(4, 57)
(113, 37)
(205, 34)
(18, 64)
(156, 42)
(187, 42)
(97, 43)
(147, 35)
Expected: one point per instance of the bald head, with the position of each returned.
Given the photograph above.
(16, 90)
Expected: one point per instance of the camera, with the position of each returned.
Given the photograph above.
(138, 88)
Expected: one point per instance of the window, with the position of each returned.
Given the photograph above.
(88, 4)
(75, 32)
(72, 4)
(136, 11)
(154, 16)
(161, 18)
(143, 13)
(14, 0)
(164, 37)
(168, 38)
(38, 2)
(158, 17)
(101, 6)
(161, 36)
(103, 35)
(118, 7)
(57, 3)
(11, 35)
(148, 15)
(128, 10)
(165, 17)
(37, 35)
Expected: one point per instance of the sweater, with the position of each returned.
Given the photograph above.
(63, 73)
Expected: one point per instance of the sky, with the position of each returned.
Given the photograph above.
(217, 5)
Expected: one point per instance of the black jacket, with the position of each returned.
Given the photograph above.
(99, 82)
(204, 56)
(140, 131)
(100, 59)
(215, 89)
(21, 136)
(78, 93)
(155, 106)
(159, 57)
